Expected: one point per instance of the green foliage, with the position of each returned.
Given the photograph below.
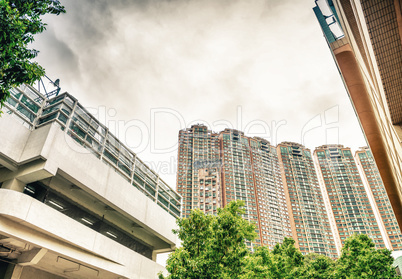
(360, 259)
(214, 247)
(264, 264)
(285, 261)
(317, 266)
(20, 20)
(288, 257)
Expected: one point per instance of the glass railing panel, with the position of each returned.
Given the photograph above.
(95, 134)
(25, 112)
(47, 118)
(69, 101)
(32, 94)
(30, 104)
(150, 190)
(63, 118)
(110, 156)
(16, 93)
(112, 148)
(50, 109)
(124, 168)
(66, 109)
(79, 110)
(55, 100)
(12, 102)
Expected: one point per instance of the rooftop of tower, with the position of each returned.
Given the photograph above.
(289, 143)
(326, 146)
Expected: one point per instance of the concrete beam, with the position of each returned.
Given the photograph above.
(28, 173)
(9, 164)
(94, 203)
(31, 257)
(14, 184)
(161, 251)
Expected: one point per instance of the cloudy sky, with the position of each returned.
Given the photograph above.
(150, 68)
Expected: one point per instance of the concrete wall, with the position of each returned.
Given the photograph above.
(29, 220)
(29, 272)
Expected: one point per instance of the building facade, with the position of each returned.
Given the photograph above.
(349, 205)
(75, 202)
(319, 199)
(365, 39)
(216, 168)
(274, 222)
(250, 172)
(308, 216)
(198, 161)
(238, 180)
(378, 197)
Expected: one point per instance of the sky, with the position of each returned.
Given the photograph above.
(147, 69)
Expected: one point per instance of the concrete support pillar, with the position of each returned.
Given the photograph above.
(365, 110)
(13, 184)
(9, 271)
(13, 272)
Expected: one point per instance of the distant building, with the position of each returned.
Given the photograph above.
(199, 160)
(308, 216)
(318, 200)
(365, 38)
(75, 202)
(380, 201)
(250, 172)
(216, 168)
(345, 195)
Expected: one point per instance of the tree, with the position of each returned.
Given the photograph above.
(289, 258)
(212, 246)
(284, 261)
(359, 259)
(20, 20)
(317, 266)
(261, 264)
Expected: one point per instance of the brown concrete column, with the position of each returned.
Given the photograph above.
(13, 184)
(361, 99)
(16, 272)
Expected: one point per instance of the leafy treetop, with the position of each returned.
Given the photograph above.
(20, 20)
(214, 247)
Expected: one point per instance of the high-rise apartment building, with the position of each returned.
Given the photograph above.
(250, 172)
(345, 195)
(308, 217)
(318, 200)
(379, 199)
(270, 194)
(215, 169)
(198, 171)
(365, 38)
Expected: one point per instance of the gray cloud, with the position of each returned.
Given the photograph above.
(201, 60)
